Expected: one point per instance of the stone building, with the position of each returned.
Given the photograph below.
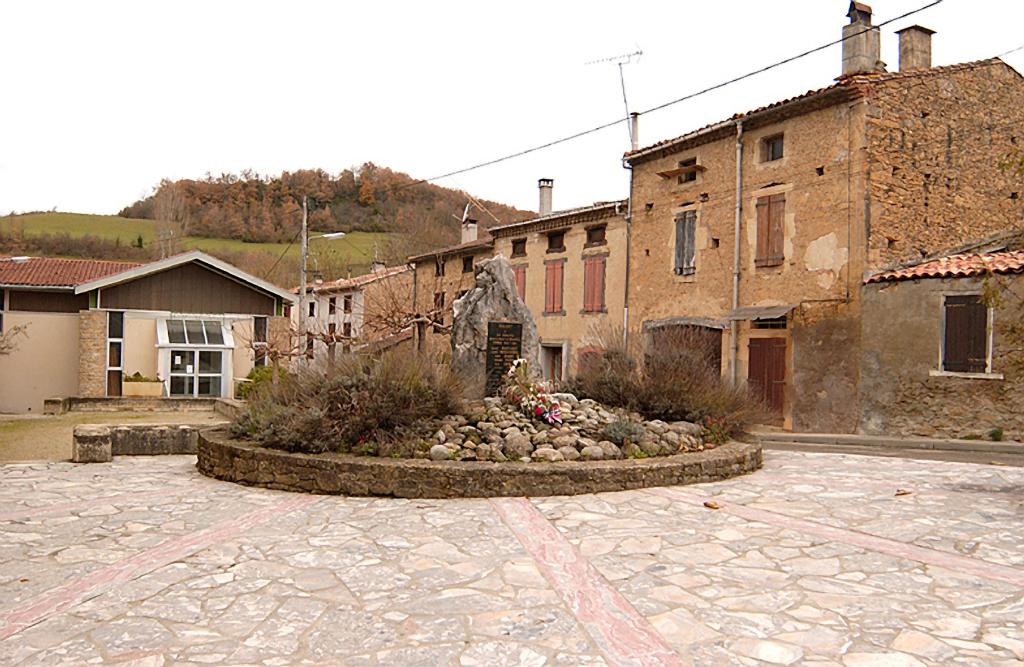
(351, 313)
(939, 356)
(759, 229)
(191, 321)
(439, 278)
(570, 269)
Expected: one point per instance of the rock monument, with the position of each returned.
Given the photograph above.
(491, 328)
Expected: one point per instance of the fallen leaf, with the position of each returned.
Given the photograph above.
(712, 505)
(996, 463)
(902, 492)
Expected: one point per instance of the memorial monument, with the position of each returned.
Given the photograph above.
(491, 328)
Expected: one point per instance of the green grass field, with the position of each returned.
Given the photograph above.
(355, 250)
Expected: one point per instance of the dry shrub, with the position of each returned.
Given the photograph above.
(360, 405)
(669, 376)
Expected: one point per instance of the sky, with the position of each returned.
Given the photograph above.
(100, 100)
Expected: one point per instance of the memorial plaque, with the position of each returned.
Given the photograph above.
(504, 346)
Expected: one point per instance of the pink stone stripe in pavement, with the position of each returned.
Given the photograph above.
(620, 631)
(56, 600)
(83, 504)
(955, 562)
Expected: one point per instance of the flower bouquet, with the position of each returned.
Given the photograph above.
(530, 396)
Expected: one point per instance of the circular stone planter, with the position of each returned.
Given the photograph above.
(239, 461)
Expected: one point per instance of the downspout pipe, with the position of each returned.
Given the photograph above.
(634, 132)
(734, 326)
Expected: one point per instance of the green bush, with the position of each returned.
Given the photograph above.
(670, 377)
(258, 377)
(622, 432)
(364, 405)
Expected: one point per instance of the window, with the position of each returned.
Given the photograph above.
(520, 274)
(439, 267)
(205, 332)
(770, 228)
(115, 351)
(596, 235)
(965, 343)
(332, 305)
(593, 284)
(259, 329)
(556, 242)
(346, 329)
(686, 244)
(690, 174)
(332, 328)
(309, 346)
(312, 308)
(772, 148)
(467, 264)
(438, 300)
(3, 296)
(346, 302)
(553, 278)
(770, 323)
(519, 247)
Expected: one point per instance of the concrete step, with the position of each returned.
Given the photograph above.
(887, 442)
(978, 457)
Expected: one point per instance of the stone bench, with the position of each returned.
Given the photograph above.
(96, 443)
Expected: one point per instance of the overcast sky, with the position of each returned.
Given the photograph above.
(100, 100)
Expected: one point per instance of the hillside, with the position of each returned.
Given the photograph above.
(259, 208)
(115, 237)
(253, 221)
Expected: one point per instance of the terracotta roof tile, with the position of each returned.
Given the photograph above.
(55, 271)
(356, 282)
(957, 266)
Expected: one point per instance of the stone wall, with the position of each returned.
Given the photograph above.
(132, 440)
(235, 461)
(901, 392)
(826, 368)
(92, 353)
(936, 141)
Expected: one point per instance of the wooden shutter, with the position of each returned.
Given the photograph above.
(777, 227)
(599, 271)
(553, 288)
(677, 265)
(966, 335)
(520, 273)
(593, 284)
(761, 253)
(689, 241)
(558, 286)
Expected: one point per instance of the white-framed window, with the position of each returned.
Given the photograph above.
(195, 356)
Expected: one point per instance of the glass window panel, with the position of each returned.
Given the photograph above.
(182, 385)
(114, 355)
(259, 329)
(115, 325)
(194, 329)
(113, 383)
(209, 386)
(176, 332)
(209, 362)
(214, 334)
(182, 361)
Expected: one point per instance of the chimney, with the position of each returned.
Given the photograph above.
(545, 185)
(862, 45)
(376, 266)
(634, 130)
(469, 230)
(915, 48)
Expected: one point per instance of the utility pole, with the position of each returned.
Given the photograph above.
(302, 271)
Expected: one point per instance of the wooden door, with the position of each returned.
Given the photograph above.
(766, 374)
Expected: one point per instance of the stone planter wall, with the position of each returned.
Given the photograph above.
(232, 460)
(92, 443)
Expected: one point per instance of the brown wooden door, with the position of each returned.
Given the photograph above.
(766, 374)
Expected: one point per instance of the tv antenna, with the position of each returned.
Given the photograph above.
(622, 61)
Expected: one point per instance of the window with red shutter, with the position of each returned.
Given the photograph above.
(553, 287)
(593, 284)
(771, 216)
(520, 273)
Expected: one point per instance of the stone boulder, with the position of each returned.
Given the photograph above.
(493, 299)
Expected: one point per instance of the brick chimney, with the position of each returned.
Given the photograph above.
(862, 44)
(546, 186)
(469, 230)
(915, 48)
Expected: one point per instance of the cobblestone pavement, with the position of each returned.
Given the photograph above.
(813, 560)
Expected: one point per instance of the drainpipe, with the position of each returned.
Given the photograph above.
(635, 142)
(734, 326)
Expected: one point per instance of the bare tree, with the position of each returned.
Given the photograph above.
(9, 339)
(170, 208)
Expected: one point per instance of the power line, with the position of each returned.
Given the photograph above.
(659, 107)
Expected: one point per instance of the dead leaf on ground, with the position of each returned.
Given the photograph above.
(996, 463)
(712, 505)
(902, 492)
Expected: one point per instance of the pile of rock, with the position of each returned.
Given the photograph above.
(496, 431)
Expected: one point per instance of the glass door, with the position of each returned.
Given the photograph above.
(196, 372)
